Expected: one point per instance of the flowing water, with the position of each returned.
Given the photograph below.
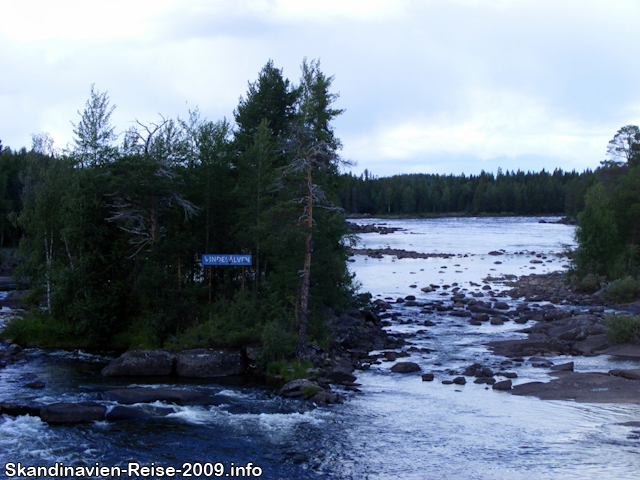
(398, 426)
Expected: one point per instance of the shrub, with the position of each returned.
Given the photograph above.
(310, 390)
(288, 371)
(623, 290)
(588, 284)
(277, 343)
(623, 328)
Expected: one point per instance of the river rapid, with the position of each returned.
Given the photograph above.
(398, 426)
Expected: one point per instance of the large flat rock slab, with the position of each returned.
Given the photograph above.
(129, 396)
(587, 387)
(631, 350)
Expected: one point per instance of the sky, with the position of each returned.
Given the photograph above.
(442, 86)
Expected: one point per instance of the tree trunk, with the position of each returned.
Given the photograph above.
(306, 271)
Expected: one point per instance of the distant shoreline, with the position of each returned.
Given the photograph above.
(356, 216)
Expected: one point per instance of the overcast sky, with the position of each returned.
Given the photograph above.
(427, 86)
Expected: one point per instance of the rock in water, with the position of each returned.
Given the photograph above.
(129, 396)
(210, 363)
(504, 385)
(140, 363)
(405, 367)
(59, 413)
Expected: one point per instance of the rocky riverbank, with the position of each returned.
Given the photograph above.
(558, 321)
(355, 333)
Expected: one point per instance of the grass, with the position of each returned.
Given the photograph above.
(288, 370)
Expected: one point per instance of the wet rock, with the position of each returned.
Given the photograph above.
(140, 363)
(129, 396)
(326, 397)
(509, 374)
(121, 413)
(501, 306)
(14, 409)
(503, 385)
(201, 363)
(427, 377)
(405, 367)
(295, 388)
(564, 367)
(485, 380)
(35, 384)
(497, 320)
(61, 413)
(13, 349)
(459, 381)
(555, 314)
(631, 374)
(338, 377)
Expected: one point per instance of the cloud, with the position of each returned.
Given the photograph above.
(426, 84)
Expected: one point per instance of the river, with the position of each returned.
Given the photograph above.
(398, 426)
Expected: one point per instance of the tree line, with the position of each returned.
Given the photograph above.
(515, 192)
(111, 231)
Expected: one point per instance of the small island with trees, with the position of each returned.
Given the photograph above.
(107, 235)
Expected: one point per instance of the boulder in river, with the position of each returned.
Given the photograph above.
(504, 385)
(140, 363)
(59, 413)
(129, 396)
(405, 367)
(204, 363)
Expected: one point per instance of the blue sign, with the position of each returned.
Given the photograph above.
(226, 259)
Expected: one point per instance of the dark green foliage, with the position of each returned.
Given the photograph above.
(608, 231)
(623, 290)
(516, 193)
(623, 328)
(112, 236)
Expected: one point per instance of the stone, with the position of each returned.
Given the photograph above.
(564, 367)
(129, 396)
(405, 367)
(631, 374)
(339, 377)
(202, 363)
(61, 413)
(427, 377)
(13, 349)
(504, 385)
(35, 384)
(121, 413)
(294, 387)
(326, 397)
(17, 409)
(140, 363)
(459, 381)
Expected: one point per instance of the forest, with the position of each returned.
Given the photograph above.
(511, 193)
(111, 230)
